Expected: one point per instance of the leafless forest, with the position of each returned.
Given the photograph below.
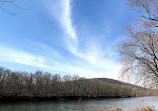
(43, 85)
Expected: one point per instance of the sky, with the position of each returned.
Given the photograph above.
(63, 36)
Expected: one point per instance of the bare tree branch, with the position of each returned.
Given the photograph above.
(10, 2)
(139, 53)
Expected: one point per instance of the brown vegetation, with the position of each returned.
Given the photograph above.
(44, 85)
(139, 51)
(145, 108)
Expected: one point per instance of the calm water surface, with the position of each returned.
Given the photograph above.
(90, 105)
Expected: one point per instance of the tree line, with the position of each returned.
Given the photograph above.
(47, 85)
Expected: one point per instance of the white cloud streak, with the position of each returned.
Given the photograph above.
(94, 63)
(62, 12)
(94, 55)
(21, 57)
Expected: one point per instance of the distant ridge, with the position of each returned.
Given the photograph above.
(112, 81)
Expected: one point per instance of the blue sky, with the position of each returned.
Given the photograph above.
(63, 36)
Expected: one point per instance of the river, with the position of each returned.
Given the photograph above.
(88, 105)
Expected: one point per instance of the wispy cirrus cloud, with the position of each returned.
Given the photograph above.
(25, 58)
(89, 59)
(92, 53)
(61, 10)
(21, 57)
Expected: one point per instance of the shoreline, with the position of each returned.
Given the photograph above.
(10, 99)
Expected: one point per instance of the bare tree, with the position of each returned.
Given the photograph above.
(43, 84)
(139, 52)
(148, 9)
(11, 3)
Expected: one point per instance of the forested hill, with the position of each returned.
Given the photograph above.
(111, 81)
(116, 82)
(15, 85)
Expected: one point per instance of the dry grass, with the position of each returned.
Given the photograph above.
(145, 108)
(116, 109)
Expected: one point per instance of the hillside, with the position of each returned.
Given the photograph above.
(111, 81)
(15, 85)
(116, 82)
